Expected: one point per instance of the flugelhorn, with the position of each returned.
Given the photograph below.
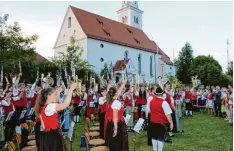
(78, 89)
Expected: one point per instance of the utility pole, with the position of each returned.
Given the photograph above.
(227, 53)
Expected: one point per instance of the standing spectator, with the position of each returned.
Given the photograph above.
(209, 102)
(217, 102)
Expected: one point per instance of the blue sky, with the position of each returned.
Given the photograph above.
(205, 25)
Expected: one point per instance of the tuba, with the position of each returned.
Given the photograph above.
(79, 86)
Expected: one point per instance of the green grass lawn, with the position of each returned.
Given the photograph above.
(202, 133)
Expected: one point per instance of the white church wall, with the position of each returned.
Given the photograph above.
(112, 52)
(66, 33)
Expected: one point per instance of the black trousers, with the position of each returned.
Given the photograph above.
(18, 113)
(9, 130)
(102, 122)
(217, 107)
(37, 133)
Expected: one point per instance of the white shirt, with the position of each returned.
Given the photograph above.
(50, 109)
(101, 100)
(166, 108)
(116, 105)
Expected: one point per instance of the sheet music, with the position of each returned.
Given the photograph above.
(143, 108)
(139, 125)
(91, 104)
(9, 116)
(22, 114)
(82, 103)
(31, 112)
(18, 130)
(127, 118)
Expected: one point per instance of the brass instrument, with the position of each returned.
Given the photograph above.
(79, 86)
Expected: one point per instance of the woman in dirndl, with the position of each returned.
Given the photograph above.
(116, 136)
(160, 115)
(102, 111)
(51, 137)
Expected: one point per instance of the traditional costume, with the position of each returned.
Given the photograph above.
(102, 112)
(141, 100)
(90, 107)
(51, 137)
(188, 103)
(120, 141)
(158, 109)
(129, 104)
(10, 125)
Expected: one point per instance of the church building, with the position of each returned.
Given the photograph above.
(121, 44)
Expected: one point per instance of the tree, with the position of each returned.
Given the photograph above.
(183, 64)
(230, 69)
(105, 72)
(207, 69)
(225, 80)
(15, 47)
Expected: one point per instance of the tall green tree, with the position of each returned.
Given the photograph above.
(183, 64)
(230, 69)
(207, 69)
(15, 47)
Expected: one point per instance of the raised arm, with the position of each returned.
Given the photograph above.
(120, 89)
(18, 79)
(67, 101)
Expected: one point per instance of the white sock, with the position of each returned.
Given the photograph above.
(160, 146)
(74, 118)
(155, 145)
(78, 118)
(186, 112)
(191, 113)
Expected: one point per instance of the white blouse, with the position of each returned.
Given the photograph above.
(50, 109)
(116, 105)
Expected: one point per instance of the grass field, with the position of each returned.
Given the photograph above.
(202, 133)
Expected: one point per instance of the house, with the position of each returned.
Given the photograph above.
(104, 40)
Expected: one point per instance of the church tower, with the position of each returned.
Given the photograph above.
(130, 14)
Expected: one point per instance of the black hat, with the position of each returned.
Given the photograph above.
(159, 91)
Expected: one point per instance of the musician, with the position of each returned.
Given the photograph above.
(147, 115)
(90, 107)
(177, 96)
(116, 136)
(102, 111)
(171, 103)
(51, 138)
(10, 125)
(160, 115)
(188, 103)
(76, 101)
(129, 103)
(141, 97)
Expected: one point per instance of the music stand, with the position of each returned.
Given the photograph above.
(138, 129)
(22, 115)
(81, 103)
(9, 116)
(71, 133)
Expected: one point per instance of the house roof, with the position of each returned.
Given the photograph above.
(39, 57)
(105, 29)
(120, 65)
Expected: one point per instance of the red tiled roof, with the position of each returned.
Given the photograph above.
(101, 28)
(120, 65)
(39, 57)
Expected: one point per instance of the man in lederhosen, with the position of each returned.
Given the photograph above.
(160, 115)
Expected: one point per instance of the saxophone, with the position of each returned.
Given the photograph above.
(78, 89)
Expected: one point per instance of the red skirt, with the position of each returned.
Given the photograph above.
(89, 111)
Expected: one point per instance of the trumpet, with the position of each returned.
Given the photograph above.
(78, 89)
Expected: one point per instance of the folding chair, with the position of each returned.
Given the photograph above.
(98, 148)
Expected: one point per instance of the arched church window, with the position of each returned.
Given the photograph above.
(122, 19)
(134, 19)
(151, 65)
(126, 55)
(137, 20)
(69, 22)
(139, 63)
